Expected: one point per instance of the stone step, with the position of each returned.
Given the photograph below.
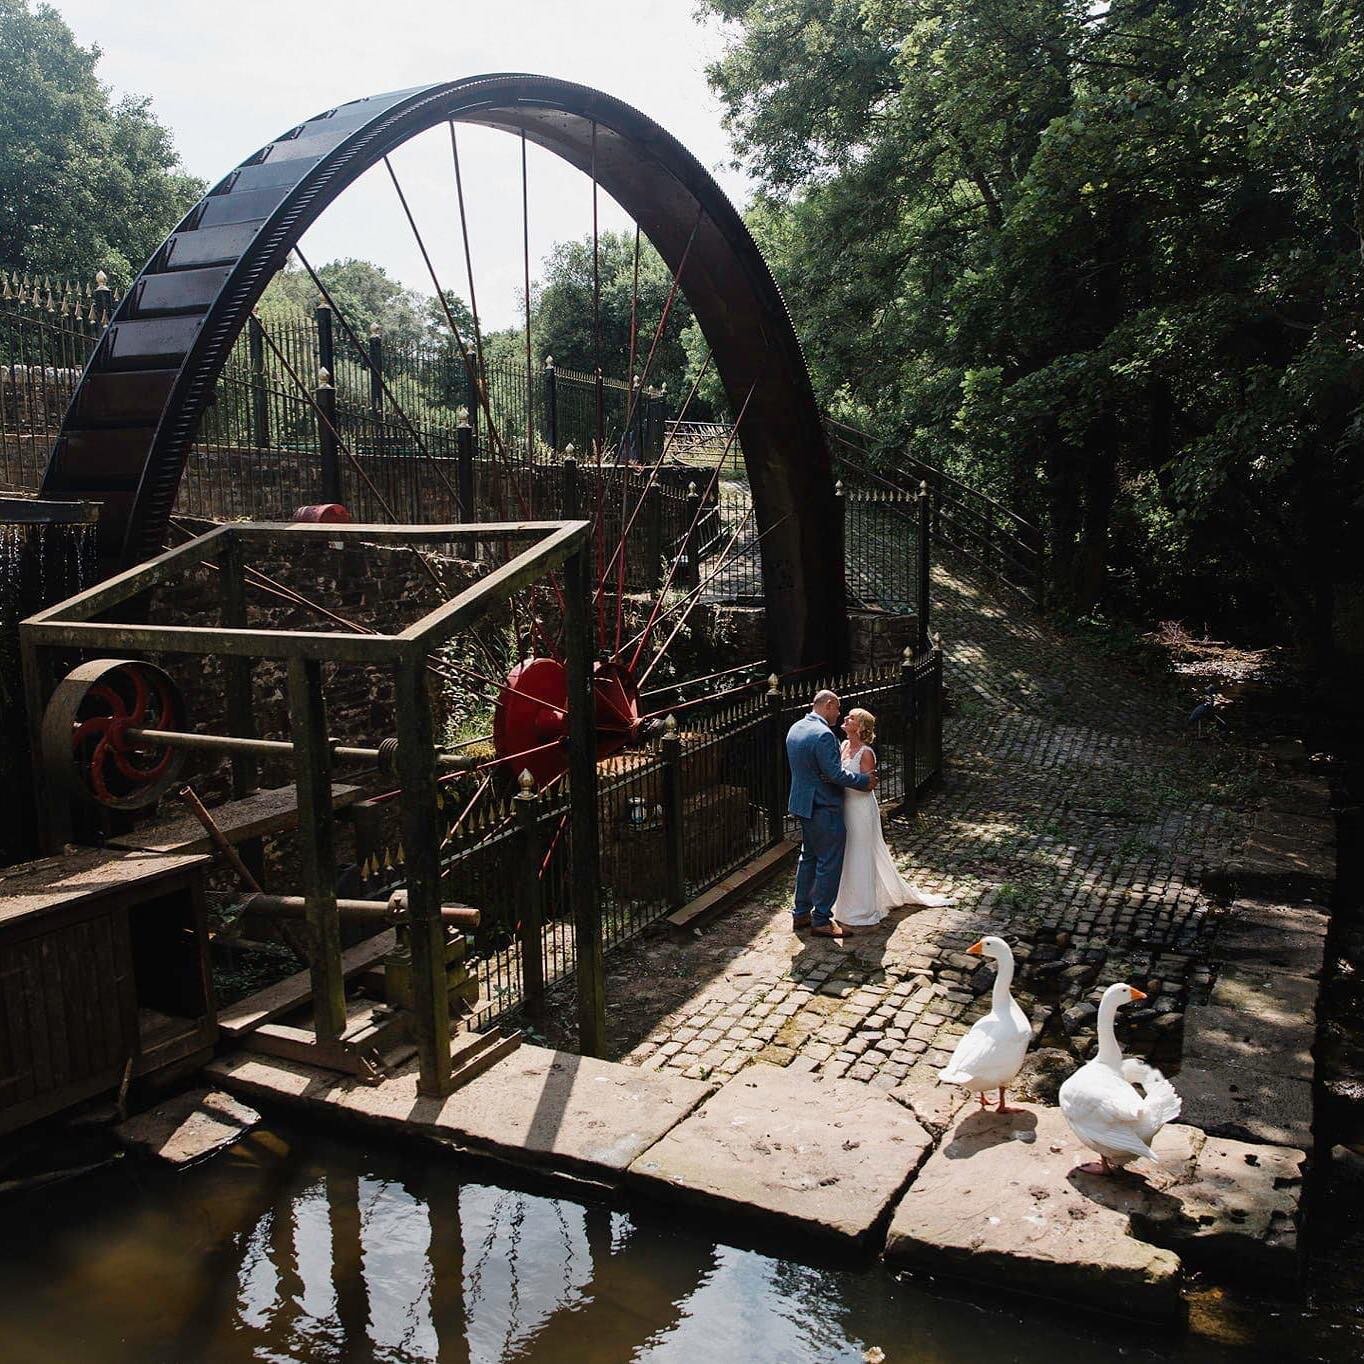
(189, 1127)
(1002, 1202)
(547, 1109)
(788, 1151)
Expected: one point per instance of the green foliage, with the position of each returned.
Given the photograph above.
(366, 294)
(86, 182)
(1105, 261)
(562, 315)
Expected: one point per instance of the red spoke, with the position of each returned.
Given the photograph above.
(390, 397)
(694, 596)
(695, 521)
(653, 476)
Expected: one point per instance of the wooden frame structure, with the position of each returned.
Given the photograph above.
(540, 548)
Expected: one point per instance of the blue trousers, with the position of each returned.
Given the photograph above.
(821, 863)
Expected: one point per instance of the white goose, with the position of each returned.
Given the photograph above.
(1102, 1107)
(989, 1056)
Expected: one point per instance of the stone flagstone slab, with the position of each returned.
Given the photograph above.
(1268, 993)
(1234, 1215)
(1246, 1103)
(534, 1107)
(188, 1127)
(1221, 1037)
(1000, 1201)
(790, 1150)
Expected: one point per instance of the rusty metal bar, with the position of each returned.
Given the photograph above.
(278, 748)
(296, 907)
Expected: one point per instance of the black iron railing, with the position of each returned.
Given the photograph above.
(675, 818)
(986, 534)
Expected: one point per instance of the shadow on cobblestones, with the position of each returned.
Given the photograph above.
(1077, 819)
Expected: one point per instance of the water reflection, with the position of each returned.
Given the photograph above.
(302, 1249)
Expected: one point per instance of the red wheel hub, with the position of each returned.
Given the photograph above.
(530, 720)
(86, 739)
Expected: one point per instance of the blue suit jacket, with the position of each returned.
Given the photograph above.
(817, 775)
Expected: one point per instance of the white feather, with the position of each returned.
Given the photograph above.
(1105, 1110)
(991, 1054)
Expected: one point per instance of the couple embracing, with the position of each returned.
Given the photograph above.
(847, 878)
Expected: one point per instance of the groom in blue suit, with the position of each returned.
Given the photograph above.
(817, 782)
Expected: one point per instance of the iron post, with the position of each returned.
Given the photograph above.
(328, 447)
(526, 805)
(572, 491)
(326, 340)
(551, 383)
(260, 398)
(691, 545)
(776, 746)
(102, 305)
(313, 780)
(637, 420)
(673, 830)
(840, 546)
(653, 537)
(464, 465)
(937, 709)
(909, 721)
(376, 371)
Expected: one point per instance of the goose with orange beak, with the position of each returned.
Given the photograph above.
(1101, 1103)
(991, 1054)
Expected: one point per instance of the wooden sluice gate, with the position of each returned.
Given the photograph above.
(105, 950)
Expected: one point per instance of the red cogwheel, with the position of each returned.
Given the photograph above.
(530, 719)
(87, 745)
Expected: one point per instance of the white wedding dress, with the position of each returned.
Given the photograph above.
(871, 883)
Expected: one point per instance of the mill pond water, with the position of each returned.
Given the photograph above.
(292, 1246)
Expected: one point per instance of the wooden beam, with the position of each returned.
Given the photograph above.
(246, 1015)
(528, 566)
(123, 586)
(421, 847)
(110, 638)
(266, 812)
(313, 777)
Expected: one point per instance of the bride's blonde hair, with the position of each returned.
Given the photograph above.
(866, 724)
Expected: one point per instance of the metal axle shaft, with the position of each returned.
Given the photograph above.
(296, 906)
(227, 743)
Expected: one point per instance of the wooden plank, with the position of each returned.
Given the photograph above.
(737, 884)
(303, 1045)
(471, 1063)
(114, 640)
(53, 1008)
(267, 812)
(110, 979)
(54, 883)
(421, 836)
(237, 1020)
(18, 1060)
(88, 604)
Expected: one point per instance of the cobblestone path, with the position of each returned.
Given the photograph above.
(1077, 819)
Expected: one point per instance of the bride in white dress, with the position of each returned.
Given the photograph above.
(871, 883)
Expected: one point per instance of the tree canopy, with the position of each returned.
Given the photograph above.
(562, 316)
(87, 182)
(1104, 260)
(366, 294)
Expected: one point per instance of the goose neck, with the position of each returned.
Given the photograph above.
(1110, 1054)
(1004, 977)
